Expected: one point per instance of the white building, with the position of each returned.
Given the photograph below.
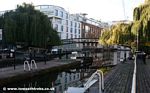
(64, 80)
(70, 26)
(66, 24)
(2, 12)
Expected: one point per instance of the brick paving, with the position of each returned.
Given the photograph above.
(119, 80)
(143, 76)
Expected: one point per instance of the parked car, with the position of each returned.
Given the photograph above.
(122, 60)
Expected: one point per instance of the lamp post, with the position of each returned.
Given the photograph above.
(137, 40)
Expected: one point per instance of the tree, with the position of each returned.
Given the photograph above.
(127, 33)
(142, 23)
(1, 22)
(29, 26)
(117, 34)
(146, 1)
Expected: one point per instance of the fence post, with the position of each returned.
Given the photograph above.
(12, 55)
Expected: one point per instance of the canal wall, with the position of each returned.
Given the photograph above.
(8, 76)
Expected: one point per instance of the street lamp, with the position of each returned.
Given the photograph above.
(137, 40)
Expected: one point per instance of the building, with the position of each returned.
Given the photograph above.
(65, 79)
(119, 22)
(73, 29)
(90, 28)
(90, 33)
(2, 12)
(65, 24)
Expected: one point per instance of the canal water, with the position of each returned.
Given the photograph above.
(60, 82)
(57, 82)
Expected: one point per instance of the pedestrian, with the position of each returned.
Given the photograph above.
(125, 57)
(144, 58)
(30, 55)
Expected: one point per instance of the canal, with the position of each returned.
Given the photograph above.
(61, 81)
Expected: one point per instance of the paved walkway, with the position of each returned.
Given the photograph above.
(119, 80)
(143, 76)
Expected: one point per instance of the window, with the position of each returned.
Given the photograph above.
(74, 77)
(66, 16)
(78, 76)
(56, 12)
(79, 31)
(71, 30)
(59, 21)
(75, 36)
(70, 78)
(66, 22)
(75, 31)
(87, 29)
(79, 25)
(79, 36)
(75, 25)
(62, 28)
(66, 29)
(67, 36)
(71, 23)
(71, 35)
(65, 79)
(61, 14)
(56, 27)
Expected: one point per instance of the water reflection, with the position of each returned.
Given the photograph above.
(60, 81)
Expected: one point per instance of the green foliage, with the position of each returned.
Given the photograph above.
(1, 22)
(117, 34)
(146, 1)
(142, 26)
(127, 33)
(29, 26)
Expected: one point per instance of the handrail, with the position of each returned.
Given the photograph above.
(26, 62)
(33, 62)
(86, 85)
(133, 90)
(101, 80)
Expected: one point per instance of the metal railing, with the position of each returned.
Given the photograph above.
(33, 62)
(133, 90)
(89, 83)
(101, 81)
(30, 65)
(26, 62)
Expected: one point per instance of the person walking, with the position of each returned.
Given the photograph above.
(144, 58)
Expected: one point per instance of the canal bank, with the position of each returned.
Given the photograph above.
(9, 75)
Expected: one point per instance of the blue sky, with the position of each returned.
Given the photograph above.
(105, 10)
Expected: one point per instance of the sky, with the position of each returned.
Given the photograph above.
(104, 10)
